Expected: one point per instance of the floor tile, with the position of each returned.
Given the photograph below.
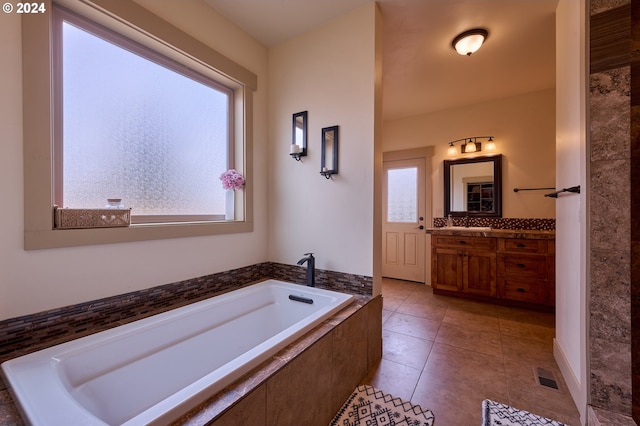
(546, 319)
(395, 379)
(418, 308)
(473, 337)
(455, 381)
(391, 303)
(477, 321)
(451, 366)
(527, 394)
(533, 351)
(525, 330)
(412, 326)
(449, 354)
(405, 350)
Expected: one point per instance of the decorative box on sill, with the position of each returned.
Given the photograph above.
(91, 218)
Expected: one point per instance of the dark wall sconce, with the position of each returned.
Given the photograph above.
(298, 147)
(329, 163)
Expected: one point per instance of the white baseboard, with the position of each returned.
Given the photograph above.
(578, 392)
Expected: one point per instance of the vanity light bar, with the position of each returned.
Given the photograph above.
(471, 144)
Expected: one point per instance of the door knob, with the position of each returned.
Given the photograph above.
(420, 227)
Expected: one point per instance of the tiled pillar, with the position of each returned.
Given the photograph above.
(610, 216)
(635, 207)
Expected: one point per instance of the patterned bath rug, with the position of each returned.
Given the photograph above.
(497, 414)
(371, 407)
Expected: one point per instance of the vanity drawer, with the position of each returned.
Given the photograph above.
(462, 242)
(522, 289)
(522, 265)
(516, 245)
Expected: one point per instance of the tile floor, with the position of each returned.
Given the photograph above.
(449, 354)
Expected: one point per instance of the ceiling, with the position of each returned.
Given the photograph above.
(421, 71)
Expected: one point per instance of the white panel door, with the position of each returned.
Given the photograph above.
(403, 235)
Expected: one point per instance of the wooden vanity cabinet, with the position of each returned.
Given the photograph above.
(464, 264)
(525, 273)
(516, 270)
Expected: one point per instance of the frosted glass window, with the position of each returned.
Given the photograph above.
(136, 128)
(402, 195)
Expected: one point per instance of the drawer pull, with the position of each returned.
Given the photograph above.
(521, 245)
(521, 265)
(521, 290)
(462, 242)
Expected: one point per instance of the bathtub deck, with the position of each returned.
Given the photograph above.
(231, 395)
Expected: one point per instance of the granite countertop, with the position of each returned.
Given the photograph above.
(498, 233)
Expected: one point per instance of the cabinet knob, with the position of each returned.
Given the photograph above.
(462, 242)
(520, 290)
(521, 265)
(520, 245)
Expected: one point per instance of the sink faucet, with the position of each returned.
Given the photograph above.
(311, 268)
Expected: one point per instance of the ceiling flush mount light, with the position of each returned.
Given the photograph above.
(469, 41)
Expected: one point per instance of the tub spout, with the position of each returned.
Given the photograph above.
(311, 268)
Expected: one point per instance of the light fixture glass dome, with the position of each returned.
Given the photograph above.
(491, 145)
(470, 146)
(469, 41)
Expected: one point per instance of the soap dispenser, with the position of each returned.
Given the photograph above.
(449, 221)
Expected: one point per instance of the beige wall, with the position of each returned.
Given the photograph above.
(31, 281)
(329, 72)
(524, 130)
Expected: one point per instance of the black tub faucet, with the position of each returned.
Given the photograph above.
(311, 268)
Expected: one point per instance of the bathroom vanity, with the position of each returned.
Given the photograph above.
(507, 266)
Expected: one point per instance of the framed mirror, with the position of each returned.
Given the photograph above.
(299, 139)
(473, 187)
(329, 162)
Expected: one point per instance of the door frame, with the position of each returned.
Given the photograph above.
(409, 154)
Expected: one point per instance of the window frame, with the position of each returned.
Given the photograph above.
(61, 15)
(140, 25)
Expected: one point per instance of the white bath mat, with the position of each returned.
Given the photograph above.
(497, 414)
(368, 406)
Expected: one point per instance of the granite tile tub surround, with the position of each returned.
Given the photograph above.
(500, 223)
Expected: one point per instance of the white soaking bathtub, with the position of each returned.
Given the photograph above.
(153, 370)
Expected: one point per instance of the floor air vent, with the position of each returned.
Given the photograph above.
(545, 378)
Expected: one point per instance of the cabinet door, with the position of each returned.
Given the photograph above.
(479, 273)
(446, 269)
